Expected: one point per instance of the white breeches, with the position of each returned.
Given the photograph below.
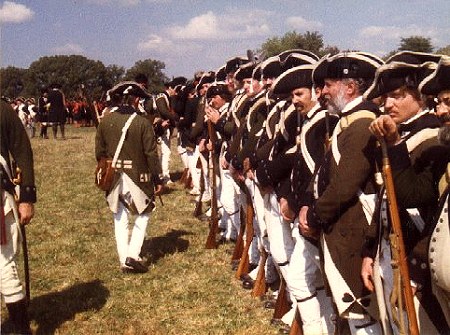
(129, 246)
(192, 157)
(10, 285)
(229, 198)
(165, 153)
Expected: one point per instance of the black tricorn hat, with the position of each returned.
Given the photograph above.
(218, 89)
(394, 75)
(299, 76)
(207, 78)
(128, 88)
(233, 64)
(438, 80)
(413, 57)
(346, 65)
(308, 54)
(221, 74)
(257, 72)
(271, 67)
(296, 59)
(177, 81)
(245, 71)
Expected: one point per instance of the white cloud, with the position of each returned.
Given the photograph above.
(124, 3)
(210, 26)
(154, 42)
(395, 33)
(300, 23)
(12, 12)
(69, 48)
(383, 39)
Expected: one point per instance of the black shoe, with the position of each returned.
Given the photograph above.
(270, 304)
(245, 277)
(274, 286)
(284, 329)
(276, 322)
(248, 284)
(137, 266)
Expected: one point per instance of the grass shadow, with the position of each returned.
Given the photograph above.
(157, 247)
(51, 310)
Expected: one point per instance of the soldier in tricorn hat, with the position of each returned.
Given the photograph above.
(345, 186)
(136, 180)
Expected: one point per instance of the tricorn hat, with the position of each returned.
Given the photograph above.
(245, 71)
(128, 88)
(221, 74)
(308, 54)
(177, 81)
(207, 78)
(413, 57)
(218, 89)
(257, 72)
(394, 75)
(271, 67)
(233, 64)
(346, 65)
(299, 76)
(438, 80)
(296, 59)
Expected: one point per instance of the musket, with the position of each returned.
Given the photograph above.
(26, 267)
(249, 214)
(281, 305)
(239, 246)
(259, 287)
(198, 204)
(17, 180)
(211, 242)
(296, 326)
(398, 242)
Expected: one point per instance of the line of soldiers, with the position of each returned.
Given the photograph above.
(297, 138)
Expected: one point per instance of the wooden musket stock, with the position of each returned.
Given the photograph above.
(244, 262)
(397, 230)
(211, 242)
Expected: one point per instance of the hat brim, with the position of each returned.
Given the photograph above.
(300, 76)
(437, 81)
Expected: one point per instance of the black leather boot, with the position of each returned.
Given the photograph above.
(18, 315)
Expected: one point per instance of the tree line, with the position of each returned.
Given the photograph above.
(80, 76)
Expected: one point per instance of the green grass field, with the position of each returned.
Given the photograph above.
(76, 285)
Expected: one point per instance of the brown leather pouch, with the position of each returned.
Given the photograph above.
(104, 174)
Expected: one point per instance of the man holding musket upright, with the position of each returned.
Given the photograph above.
(345, 186)
(14, 143)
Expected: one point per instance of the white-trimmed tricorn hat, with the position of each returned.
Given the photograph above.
(346, 65)
(394, 75)
(413, 57)
(128, 88)
(438, 80)
(271, 67)
(245, 71)
(296, 77)
(221, 74)
(233, 64)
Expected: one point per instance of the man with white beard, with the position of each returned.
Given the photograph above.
(345, 187)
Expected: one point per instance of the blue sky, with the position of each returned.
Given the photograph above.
(191, 35)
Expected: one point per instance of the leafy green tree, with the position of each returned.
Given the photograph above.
(153, 69)
(76, 74)
(416, 43)
(12, 81)
(311, 41)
